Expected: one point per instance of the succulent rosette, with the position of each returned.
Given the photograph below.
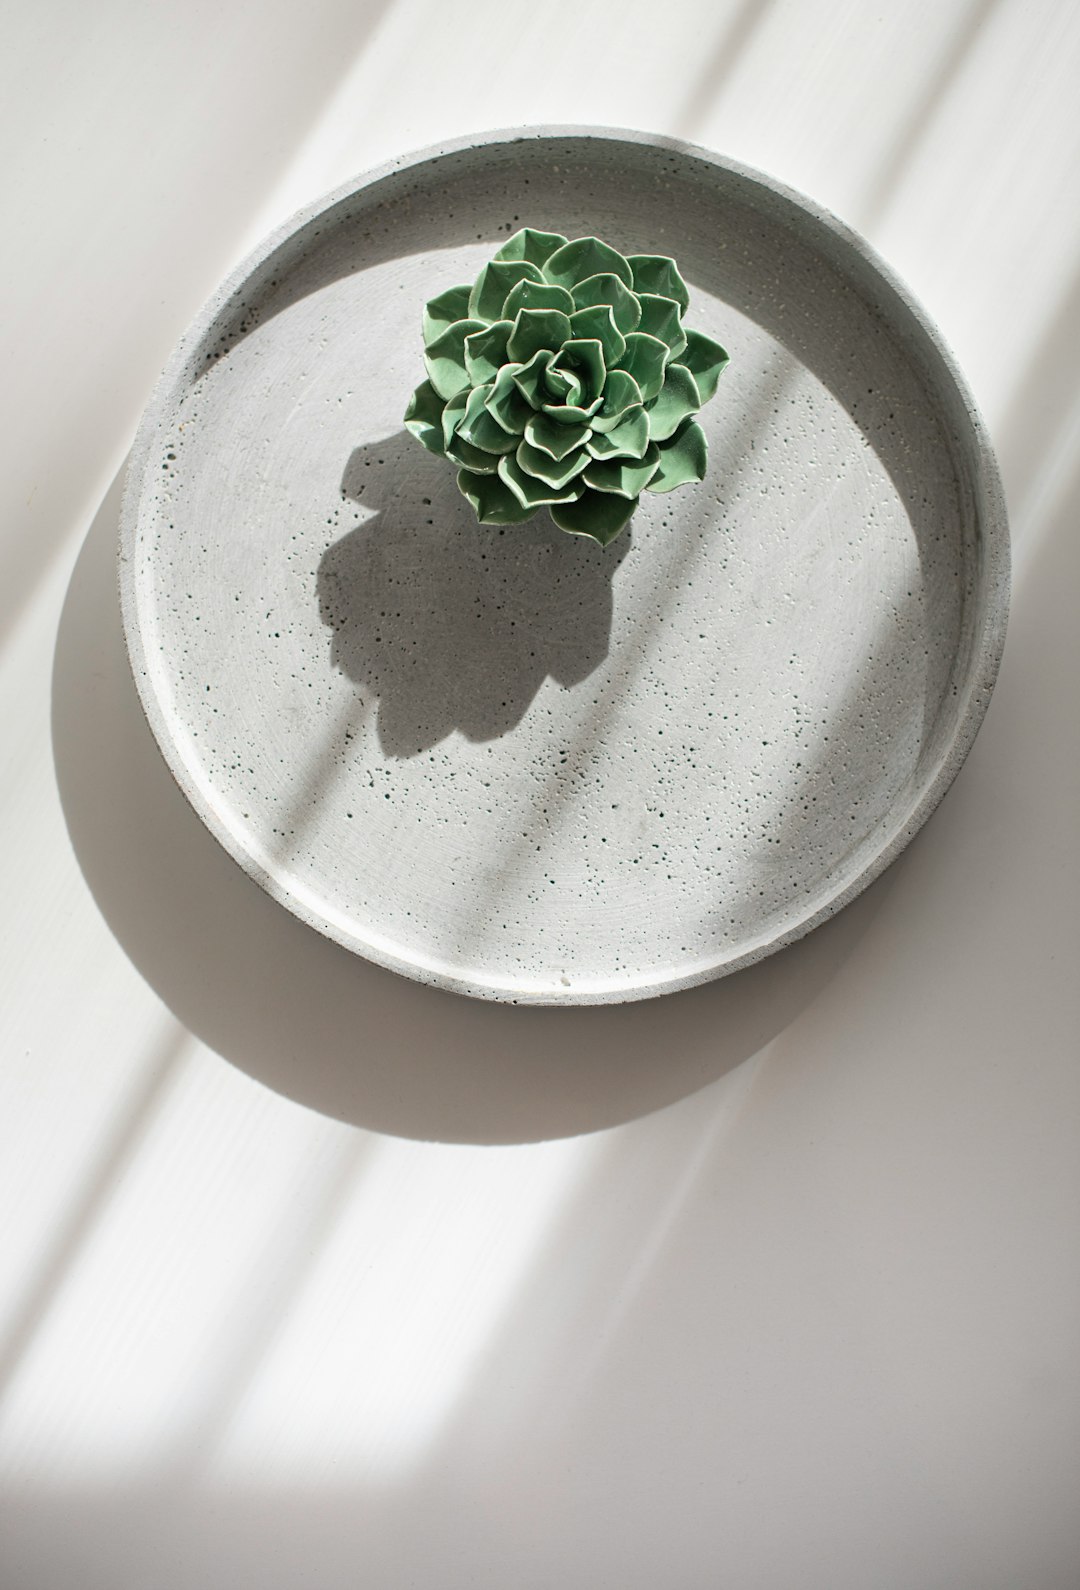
(564, 378)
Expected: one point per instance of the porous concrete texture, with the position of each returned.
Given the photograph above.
(507, 761)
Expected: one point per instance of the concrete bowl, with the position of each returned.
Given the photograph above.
(506, 761)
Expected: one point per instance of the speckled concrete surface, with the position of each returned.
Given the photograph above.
(507, 761)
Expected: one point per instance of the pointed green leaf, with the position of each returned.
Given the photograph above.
(561, 385)
(477, 426)
(583, 357)
(551, 437)
(494, 282)
(453, 414)
(537, 247)
(621, 394)
(506, 405)
(553, 472)
(611, 290)
(682, 459)
(678, 398)
(535, 330)
(599, 514)
(445, 358)
(626, 477)
(423, 418)
(584, 257)
(660, 317)
(571, 413)
(530, 378)
(645, 359)
(549, 389)
(536, 295)
(441, 312)
(493, 502)
(470, 457)
(706, 361)
(598, 322)
(485, 351)
(656, 273)
(529, 491)
(629, 439)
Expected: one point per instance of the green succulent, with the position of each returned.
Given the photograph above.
(564, 378)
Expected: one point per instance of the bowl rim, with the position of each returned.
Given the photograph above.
(991, 595)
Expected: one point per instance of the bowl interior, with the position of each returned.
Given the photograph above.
(509, 761)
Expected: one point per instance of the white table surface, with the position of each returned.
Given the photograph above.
(313, 1276)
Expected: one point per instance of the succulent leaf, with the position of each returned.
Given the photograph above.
(485, 351)
(553, 472)
(477, 426)
(551, 437)
(706, 361)
(561, 385)
(609, 289)
(629, 439)
(656, 273)
(528, 243)
(536, 295)
(537, 330)
(506, 404)
(441, 312)
(582, 357)
(599, 514)
(470, 457)
(662, 318)
(584, 257)
(571, 413)
(492, 500)
(423, 418)
(445, 358)
(678, 398)
(621, 394)
(452, 416)
(682, 459)
(494, 282)
(626, 477)
(531, 377)
(598, 322)
(528, 489)
(645, 359)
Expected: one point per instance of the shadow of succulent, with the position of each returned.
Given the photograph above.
(447, 628)
(564, 378)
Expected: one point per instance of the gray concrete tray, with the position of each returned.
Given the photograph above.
(508, 762)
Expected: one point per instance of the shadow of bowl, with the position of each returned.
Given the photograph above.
(333, 1032)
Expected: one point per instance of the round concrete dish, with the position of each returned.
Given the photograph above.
(508, 762)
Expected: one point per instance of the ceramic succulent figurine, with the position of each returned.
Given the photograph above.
(563, 378)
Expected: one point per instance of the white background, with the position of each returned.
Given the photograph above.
(311, 1276)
